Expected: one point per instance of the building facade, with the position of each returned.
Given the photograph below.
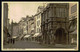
(5, 14)
(24, 24)
(37, 23)
(73, 22)
(22, 27)
(38, 19)
(54, 23)
(5, 21)
(32, 26)
(15, 30)
(28, 25)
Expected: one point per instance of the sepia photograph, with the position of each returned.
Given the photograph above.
(43, 26)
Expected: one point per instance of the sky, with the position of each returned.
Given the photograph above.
(19, 10)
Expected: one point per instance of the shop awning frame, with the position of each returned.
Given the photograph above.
(26, 36)
(37, 35)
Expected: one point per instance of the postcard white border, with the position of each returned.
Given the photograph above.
(53, 49)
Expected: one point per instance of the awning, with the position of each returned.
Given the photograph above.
(40, 34)
(21, 36)
(37, 35)
(14, 37)
(26, 36)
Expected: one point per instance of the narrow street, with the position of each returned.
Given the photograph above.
(22, 44)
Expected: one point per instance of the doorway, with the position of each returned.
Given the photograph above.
(60, 36)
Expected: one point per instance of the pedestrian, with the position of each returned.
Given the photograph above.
(13, 41)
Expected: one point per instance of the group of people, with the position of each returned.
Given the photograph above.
(11, 41)
(7, 37)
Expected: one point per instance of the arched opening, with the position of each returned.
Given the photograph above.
(60, 36)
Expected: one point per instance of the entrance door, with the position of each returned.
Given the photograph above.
(60, 36)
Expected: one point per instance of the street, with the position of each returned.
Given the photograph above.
(24, 44)
(30, 44)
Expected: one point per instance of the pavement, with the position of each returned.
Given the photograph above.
(22, 44)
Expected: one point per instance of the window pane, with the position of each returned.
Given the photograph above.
(57, 12)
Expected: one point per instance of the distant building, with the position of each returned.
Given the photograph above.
(24, 24)
(29, 25)
(15, 30)
(32, 26)
(34, 17)
(22, 27)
